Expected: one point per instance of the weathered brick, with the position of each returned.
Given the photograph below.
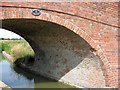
(97, 23)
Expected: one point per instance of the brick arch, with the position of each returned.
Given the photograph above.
(109, 76)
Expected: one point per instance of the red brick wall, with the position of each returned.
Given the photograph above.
(97, 23)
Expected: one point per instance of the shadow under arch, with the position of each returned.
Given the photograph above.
(21, 12)
(42, 35)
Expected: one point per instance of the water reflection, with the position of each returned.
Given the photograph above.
(17, 78)
(13, 79)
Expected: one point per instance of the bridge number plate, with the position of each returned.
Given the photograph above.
(36, 12)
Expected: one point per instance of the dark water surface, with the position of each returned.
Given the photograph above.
(18, 78)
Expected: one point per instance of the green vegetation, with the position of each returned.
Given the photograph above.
(16, 48)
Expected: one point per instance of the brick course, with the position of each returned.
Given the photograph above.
(97, 23)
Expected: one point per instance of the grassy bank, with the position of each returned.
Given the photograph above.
(16, 48)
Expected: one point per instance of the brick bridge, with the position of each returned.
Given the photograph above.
(74, 42)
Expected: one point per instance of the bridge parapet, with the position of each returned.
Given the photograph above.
(96, 23)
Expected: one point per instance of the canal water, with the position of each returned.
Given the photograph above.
(15, 77)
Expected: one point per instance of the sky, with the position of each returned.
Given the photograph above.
(8, 34)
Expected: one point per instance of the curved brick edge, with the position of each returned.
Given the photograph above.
(26, 13)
